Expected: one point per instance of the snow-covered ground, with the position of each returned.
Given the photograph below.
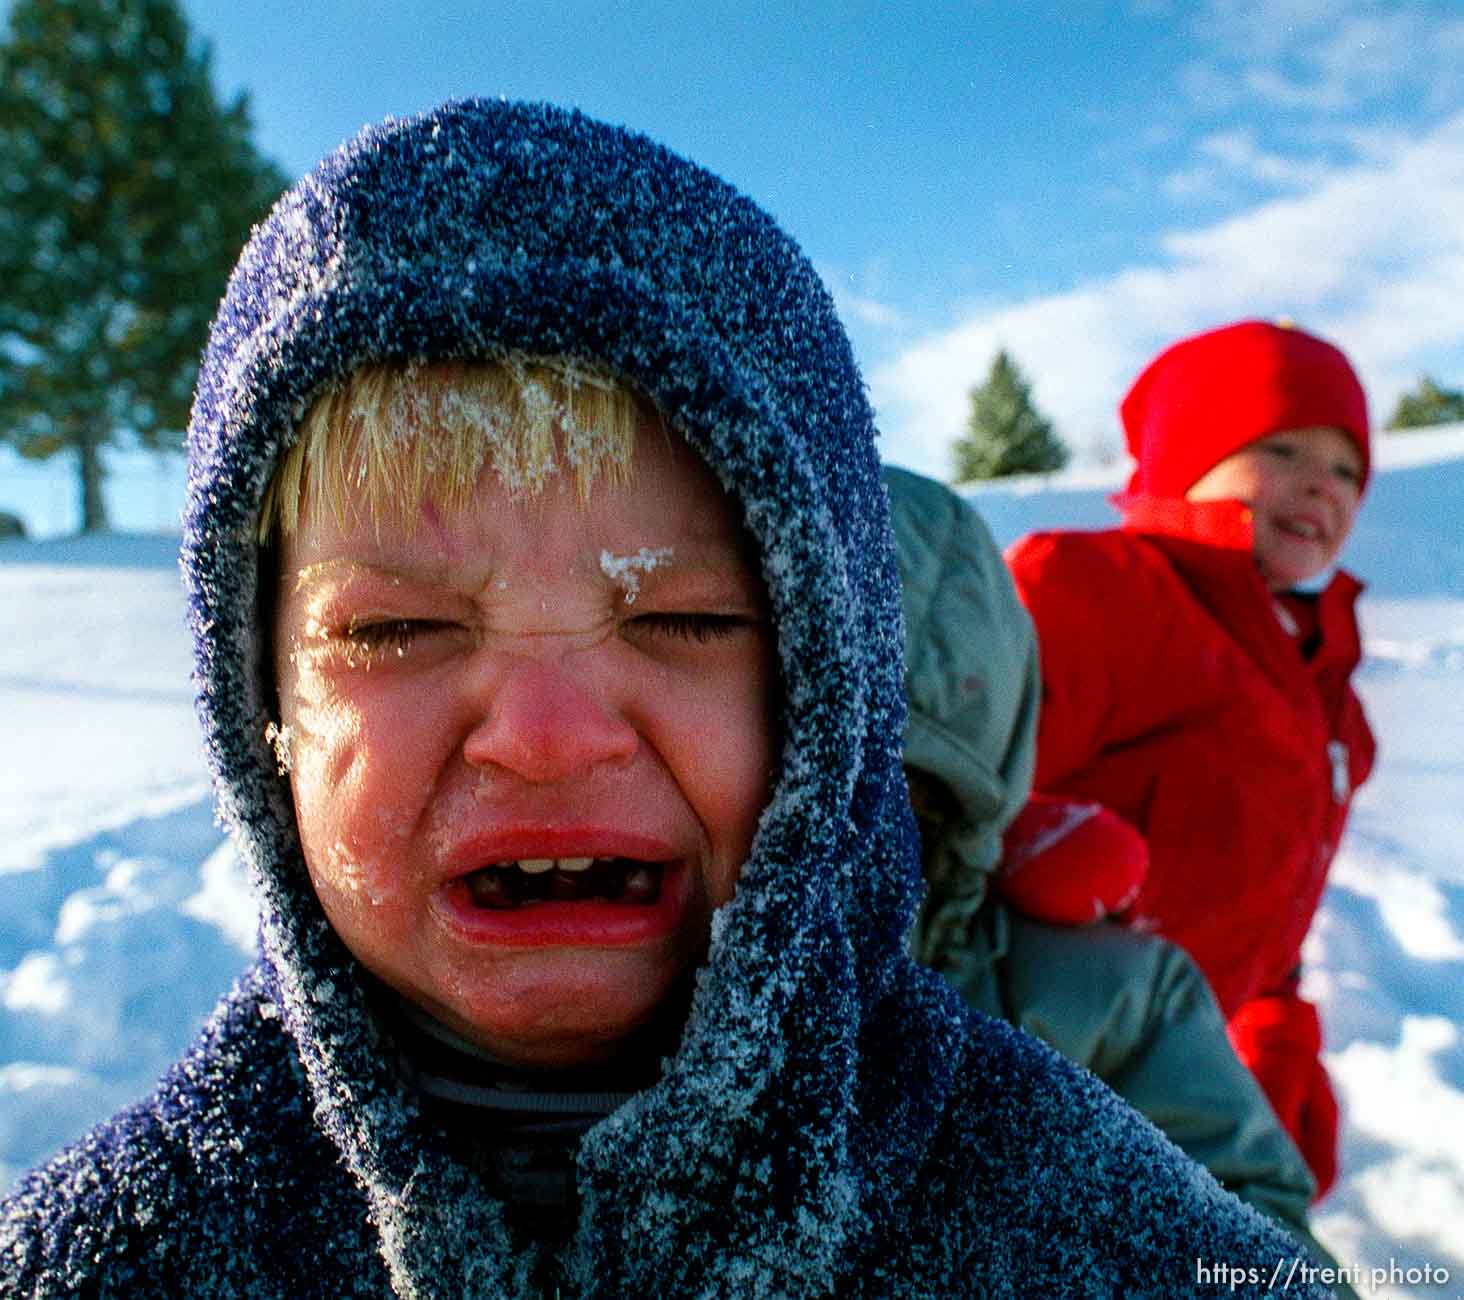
(124, 916)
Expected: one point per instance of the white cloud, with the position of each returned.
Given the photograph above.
(1209, 88)
(1227, 156)
(1369, 142)
(867, 305)
(1372, 256)
(1324, 56)
(1269, 28)
(870, 311)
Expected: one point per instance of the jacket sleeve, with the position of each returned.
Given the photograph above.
(1100, 657)
(1137, 1012)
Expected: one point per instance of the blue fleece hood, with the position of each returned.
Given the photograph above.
(487, 227)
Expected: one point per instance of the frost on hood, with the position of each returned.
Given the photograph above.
(281, 740)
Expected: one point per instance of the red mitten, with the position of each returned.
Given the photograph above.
(1280, 1039)
(1070, 861)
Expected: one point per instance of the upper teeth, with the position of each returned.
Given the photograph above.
(1305, 529)
(537, 866)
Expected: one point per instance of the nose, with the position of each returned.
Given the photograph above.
(543, 725)
(1318, 480)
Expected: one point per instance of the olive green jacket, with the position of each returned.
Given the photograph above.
(1130, 1007)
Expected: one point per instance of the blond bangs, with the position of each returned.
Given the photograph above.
(388, 439)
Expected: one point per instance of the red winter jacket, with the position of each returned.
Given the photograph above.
(1174, 696)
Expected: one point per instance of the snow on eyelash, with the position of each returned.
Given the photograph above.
(397, 634)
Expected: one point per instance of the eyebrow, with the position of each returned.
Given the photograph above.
(703, 555)
(341, 565)
(340, 571)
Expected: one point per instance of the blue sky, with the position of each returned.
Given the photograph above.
(1080, 182)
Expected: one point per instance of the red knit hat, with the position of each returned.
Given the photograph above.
(1206, 397)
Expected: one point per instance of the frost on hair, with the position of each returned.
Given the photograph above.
(388, 438)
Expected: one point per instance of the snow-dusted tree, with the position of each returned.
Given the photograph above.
(1005, 433)
(126, 191)
(1426, 405)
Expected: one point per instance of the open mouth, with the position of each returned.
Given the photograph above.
(1305, 529)
(504, 886)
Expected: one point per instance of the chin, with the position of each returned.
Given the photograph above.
(1282, 573)
(561, 1017)
(1290, 579)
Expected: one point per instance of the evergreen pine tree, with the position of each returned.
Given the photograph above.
(1005, 433)
(1426, 405)
(128, 191)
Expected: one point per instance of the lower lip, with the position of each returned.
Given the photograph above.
(591, 923)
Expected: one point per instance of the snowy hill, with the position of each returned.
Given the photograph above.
(125, 917)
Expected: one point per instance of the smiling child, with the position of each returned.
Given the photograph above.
(548, 645)
(1196, 678)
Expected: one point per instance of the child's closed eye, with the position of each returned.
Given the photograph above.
(399, 634)
(690, 625)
